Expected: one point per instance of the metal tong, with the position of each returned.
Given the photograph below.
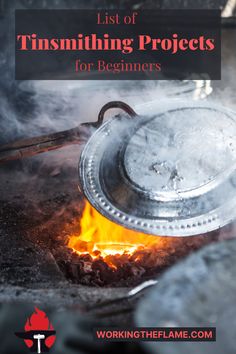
(79, 135)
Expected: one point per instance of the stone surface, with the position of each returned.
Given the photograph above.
(200, 291)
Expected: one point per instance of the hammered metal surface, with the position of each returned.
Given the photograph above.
(171, 173)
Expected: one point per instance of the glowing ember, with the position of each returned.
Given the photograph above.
(114, 248)
(102, 253)
(101, 238)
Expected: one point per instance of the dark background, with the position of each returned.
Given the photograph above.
(60, 64)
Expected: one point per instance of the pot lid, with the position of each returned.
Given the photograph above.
(170, 173)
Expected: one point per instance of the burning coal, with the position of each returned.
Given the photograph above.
(101, 252)
(102, 239)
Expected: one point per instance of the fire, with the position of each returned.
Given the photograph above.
(103, 253)
(39, 321)
(103, 239)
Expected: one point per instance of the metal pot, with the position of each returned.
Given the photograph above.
(170, 173)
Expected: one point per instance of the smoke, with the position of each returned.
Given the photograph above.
(32, 108)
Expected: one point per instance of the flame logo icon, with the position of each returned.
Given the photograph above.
(39, 335)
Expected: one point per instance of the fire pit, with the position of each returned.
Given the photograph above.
(164, 184)
(95, 251)
(88, 248)
(99, 252)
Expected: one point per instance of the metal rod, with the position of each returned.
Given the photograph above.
(132, 293)
(32, 146)
(79, 135)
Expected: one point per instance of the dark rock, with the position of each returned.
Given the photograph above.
(200, 291)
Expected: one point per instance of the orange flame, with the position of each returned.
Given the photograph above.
(102, 238)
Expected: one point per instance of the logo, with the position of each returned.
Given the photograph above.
(39, 334)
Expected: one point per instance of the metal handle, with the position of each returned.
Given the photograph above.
(115, 104)
(33, 146)
(79, 135)
(133, 292)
